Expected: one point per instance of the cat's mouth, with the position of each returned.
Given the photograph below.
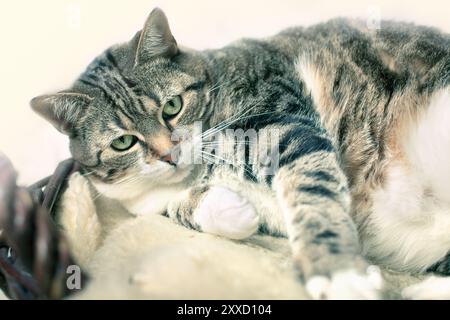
(148, 178)
(159, 169)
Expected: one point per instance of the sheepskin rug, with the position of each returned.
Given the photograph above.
(152, 257)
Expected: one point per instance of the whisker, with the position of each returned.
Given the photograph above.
(226, 123)
(85, 174)
(244, 166)
(219, 85)
(126, 179)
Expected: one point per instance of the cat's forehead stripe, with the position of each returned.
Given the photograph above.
(121, 92)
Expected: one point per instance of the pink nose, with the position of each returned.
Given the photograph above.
(167, 158)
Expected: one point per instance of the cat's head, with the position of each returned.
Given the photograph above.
(121, 113)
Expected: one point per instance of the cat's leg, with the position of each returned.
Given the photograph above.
(215, 210)
(312, 192)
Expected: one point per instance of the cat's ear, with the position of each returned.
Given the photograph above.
(62, 110)
(155, 38)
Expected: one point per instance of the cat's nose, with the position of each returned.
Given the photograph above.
(168, 158)
(161, 149)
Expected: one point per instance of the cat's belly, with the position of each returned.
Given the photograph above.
(410, 219)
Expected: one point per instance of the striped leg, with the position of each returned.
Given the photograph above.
(315, 201)
(182, 210)
(312, 192)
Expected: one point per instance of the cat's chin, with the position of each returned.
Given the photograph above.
(145, 182)
(147, 195)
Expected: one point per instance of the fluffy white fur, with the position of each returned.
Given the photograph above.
(412, 211)
(150, 257)
(433, 288)
(81, 225)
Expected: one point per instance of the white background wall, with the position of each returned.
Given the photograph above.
(45, 44)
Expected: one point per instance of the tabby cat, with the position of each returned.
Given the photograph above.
(361, 162)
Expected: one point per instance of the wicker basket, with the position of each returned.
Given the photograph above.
(34, 255)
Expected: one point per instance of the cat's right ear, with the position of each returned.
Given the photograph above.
(155, 39)
(62, 110)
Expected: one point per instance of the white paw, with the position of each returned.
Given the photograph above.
(225, 213)
(347, 285)
(433, 288)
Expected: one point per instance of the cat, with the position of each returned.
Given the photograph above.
(359, 169)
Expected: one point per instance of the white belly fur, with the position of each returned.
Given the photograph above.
(411, 213)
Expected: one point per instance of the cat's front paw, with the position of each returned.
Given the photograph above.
(347, 284)
(225, 213)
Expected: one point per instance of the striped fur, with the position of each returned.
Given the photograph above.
(339, 95)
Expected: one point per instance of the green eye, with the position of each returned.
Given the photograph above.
(124, 143)
(172, 107)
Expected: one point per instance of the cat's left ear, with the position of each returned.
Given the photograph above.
(155, 39)
(62, 110)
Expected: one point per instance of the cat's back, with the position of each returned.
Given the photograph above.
(398, 46)
(383, 93)
(365, 80)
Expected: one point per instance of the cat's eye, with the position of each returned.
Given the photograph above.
(172, 108)
(124, 143)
